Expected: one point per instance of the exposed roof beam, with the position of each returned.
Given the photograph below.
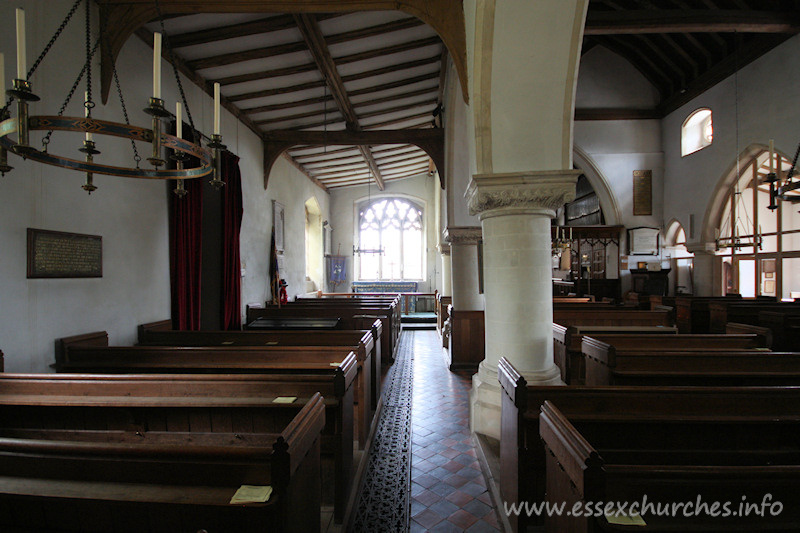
(267, 74)
(738, 59)
(147, 36)
(690, 21)
(286, 118)
(371, 31)
(427, 115)
(246, 55)
(395, 109)
(395, 84)
(278, 90)
(355, 138)
(288, 105)
(388, 50)
(232, 31)
(316, 42)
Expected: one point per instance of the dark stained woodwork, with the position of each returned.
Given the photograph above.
(446, 17)
(317, 45)
(430, 140)
(391, 68)
(467, 340)
(690, 21)
(396, 84)
(266, 74)
(243, 29)
(245, 55)
(372, 31)
(288, 105)
(418, 116)
(606, 113)
(388, 50)
(277, 90)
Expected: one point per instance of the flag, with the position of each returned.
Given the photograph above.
(274, 274)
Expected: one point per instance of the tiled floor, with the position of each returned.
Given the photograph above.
(447, 487)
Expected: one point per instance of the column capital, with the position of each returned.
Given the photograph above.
(462, 234)
(535, 192)
(443, 248)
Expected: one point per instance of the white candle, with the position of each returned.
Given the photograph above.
(86, 113)
(771, 156)
(2, 75)
(21, 59)
(178, 121)
(216, 109)
(156, 65)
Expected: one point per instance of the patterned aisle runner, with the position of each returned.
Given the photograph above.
(383, 499)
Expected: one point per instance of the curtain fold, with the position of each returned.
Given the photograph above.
(231, 225)
(186, 223)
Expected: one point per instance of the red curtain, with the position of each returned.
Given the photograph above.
(186, 223)
(231, 224)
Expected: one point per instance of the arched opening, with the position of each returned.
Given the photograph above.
(760, 247)
(391, 239)
(680, 259)
(697, 131)
(314, 246)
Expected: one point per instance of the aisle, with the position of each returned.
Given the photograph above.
(422, 471)
(448, 491)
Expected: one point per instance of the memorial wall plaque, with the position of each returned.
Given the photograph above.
(56, 254)
(642, 192)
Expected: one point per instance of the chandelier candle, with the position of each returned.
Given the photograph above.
(216, 108)
(86, 113)
(21, 57)
(157, 65)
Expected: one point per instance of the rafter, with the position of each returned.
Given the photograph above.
(690, 21)
(315, 40)
(232, 31)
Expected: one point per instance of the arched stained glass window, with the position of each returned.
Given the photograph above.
(390, 240)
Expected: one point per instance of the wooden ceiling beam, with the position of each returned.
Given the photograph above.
(642, 21)
(391, 69)
(288, 105)
(355, 138)
(371, 31)
(232, 31)
(395, 109)
(417, 116)
(287, 118)
(317, 45)
(246, 55)
(278, 90)
(267, 74)
(387, 50)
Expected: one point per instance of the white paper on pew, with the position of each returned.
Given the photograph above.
(252, 494)
(622, 518)
(285, 399)
(337, 364)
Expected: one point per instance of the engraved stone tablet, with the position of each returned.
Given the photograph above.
(55, 254)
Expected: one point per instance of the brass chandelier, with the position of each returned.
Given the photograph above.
(20, 126)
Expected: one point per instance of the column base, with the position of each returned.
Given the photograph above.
(484, 398)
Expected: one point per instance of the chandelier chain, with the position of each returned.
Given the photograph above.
(89, 104)
(63, 108)
(165, 37)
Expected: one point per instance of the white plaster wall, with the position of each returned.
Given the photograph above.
(131, 215)
(606, 80)
(343, 219)
(769, 89)
(291, 188)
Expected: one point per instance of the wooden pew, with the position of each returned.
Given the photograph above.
(692, 314)
(361, 342)
(442, 302)
(612, 316)
(608, 365)
(668, 457)
(103, 453)
(522, 457)
(743, 312)
(785, 328)
(330, 370)
(764, 334)
(350, 318)
(567, 353)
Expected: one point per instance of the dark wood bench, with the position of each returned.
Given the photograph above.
(91, 353)
(608, 365)
(692, 314)
(330, 370)
(96, 454)
(668, 457)
(785, 328)
(362, 342)
(567, 353)
(764, 334)
(350, 318)
(522, 457)
(612, 316)
(743, 312)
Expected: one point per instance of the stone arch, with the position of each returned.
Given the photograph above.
(608, 202)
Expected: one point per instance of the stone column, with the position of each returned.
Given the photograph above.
(515, 211)
(703, 267)
(446, 288)
(463, 242)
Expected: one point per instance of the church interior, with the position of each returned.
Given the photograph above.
(399, 265)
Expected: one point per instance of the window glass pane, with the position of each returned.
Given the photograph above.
(747, 278)
(412, 260)
(392, 260)
(791, 278)
(790, 218)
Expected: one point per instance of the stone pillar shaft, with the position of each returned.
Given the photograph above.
(515, 211)
(446, 288)
(703, 265)
(464, 261)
